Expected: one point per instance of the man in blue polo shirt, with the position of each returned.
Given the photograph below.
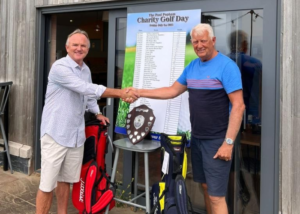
(214, 83)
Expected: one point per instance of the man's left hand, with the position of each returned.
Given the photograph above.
(102, 118)
(224, 152)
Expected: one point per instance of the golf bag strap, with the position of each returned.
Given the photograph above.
(157, 203)
(107, 178)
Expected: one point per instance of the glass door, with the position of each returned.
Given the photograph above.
(116, 58)
(240, 37)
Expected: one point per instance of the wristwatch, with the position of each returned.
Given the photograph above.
(98, 113)
(229, 141)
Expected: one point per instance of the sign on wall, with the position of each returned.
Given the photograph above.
(158, 48)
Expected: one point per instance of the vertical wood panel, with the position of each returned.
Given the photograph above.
(11, 69)
(38, 2)
(286, 111)
(296, 116)
(17, 64)
(296, 52)
(290, 107)
(64, 2)
(3, 44)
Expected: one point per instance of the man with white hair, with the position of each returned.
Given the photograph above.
(214, 83)
(69, 92)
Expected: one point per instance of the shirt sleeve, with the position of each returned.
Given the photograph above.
(92, 105)
(63, 76)
(182, 78)
(92, 102)
(231, 78)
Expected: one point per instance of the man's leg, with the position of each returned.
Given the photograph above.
(62, 195)
(216, 174)
(43, 202)
(218, 205)
(206, 199)
(52, 156)
(198, 173)
(69, 173)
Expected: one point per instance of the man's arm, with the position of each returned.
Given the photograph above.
(128, 94)
(235, 119)
(163, 93)
(63, 76)
(236, 115)
(94, 108)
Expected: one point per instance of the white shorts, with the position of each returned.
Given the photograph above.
(59, 163)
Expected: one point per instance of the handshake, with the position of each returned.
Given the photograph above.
(129, 94)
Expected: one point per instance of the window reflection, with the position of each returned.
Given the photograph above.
(251, 69)
(239, 36)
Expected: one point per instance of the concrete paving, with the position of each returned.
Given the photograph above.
(18, 193)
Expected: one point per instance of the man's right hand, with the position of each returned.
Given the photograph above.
(130, 94)
(102, 118)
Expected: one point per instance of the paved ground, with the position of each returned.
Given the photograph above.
(18, 192)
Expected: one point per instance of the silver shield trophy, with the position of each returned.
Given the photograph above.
(139, 122)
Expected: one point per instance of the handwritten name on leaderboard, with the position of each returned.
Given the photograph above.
(163, 19)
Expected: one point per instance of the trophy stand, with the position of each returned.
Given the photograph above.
(138, 124)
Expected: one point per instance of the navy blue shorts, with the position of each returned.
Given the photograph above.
(213, 172)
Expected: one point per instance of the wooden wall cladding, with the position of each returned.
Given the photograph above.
(17, 64)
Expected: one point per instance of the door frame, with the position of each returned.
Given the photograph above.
(271, 75)
(113, 16)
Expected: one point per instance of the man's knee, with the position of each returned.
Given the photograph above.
(45, 192)
(44, 196)
(64, 184)
(216, 200)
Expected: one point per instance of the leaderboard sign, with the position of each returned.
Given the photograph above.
(158, 48)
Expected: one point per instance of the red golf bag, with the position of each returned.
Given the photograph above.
(93, 192)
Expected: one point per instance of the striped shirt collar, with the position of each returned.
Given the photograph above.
(74, 64)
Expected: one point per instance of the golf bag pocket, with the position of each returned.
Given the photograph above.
(97, 192)
(158, 198)
(170, 206)
(181, 196)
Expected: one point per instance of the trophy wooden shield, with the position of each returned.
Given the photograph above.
(139, 122)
